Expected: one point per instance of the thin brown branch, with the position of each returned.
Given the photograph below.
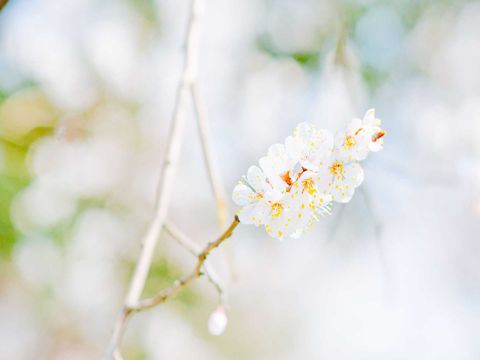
(195, 249)
(167, 177)
(2, 4)
(178, 285)
(166, 294)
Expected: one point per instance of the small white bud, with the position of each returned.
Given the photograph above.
(217, 322)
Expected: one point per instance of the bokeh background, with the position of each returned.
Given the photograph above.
(86, 95)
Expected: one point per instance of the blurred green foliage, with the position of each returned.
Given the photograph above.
(9, 187)
(13, 177)
(308, 60)
(162, 275)
(146, 9)
(14, 173)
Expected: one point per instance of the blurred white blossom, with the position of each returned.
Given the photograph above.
(298, 180)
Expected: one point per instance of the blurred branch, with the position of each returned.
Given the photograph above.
(167, 293)
(195, 250)
(340, 57)
(212, 170)
(117, 356)
(213, 174)
(2, 4)
(118, 329)
(167, 177)
(195, 274)
(172, 229)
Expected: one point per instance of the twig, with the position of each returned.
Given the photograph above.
(167, 178)
(195, 250)
(117, 355)
(195, 274)
(2, 4)
(215, 180)
(173, 150)
(117, 333)
(212, 170)
(172, 229)
(167, 293)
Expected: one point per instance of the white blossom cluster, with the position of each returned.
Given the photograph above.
(298, 181)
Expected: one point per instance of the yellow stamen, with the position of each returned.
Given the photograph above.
(308, 185)
(277, 209)
(349, 141)
(337, 168)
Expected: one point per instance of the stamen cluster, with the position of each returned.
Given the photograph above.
(298, 181)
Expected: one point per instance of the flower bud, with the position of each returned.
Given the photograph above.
(217, 322)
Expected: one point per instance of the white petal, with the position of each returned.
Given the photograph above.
(305, 130)
(339, 140)
(277, 153)
(262, 210)
(248, 214)
(242, 194)
(369, 118)
(341, 192)
(323, 180)
(270, 168)
(277, 226)
(293, 147)
(354, 174)
(354, 125)
(302, 208)
(256, 178)
(376, 146)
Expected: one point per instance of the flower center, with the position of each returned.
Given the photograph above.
(337, 168)
(349, 141)
(277, 209)
(308, 185)
(378, 135)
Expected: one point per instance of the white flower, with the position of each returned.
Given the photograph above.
(285, 168)
(342, 178)
(376, 134)
(278, 166)
(309, 146)
(297, 181)
(361, 137)
(252, 194)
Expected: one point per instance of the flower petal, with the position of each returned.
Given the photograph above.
(243, 195)
(369, 118)
(354, 174)
(247, 214)
(256, 178)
